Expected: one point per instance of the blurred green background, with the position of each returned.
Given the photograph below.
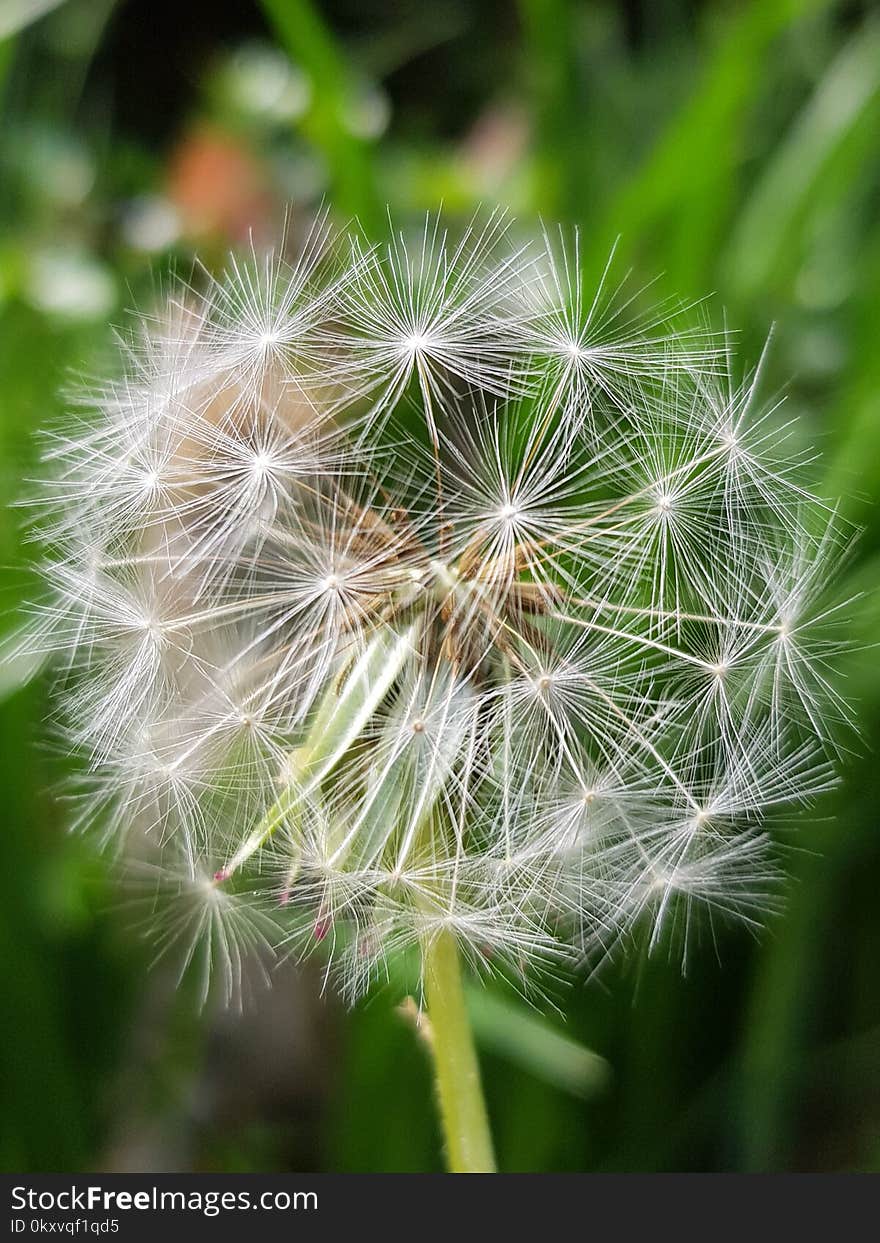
(733, 147)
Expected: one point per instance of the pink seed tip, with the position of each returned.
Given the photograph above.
(284, 897)
(322, 927)
(221, 875)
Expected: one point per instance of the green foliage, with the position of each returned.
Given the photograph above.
(329, 122)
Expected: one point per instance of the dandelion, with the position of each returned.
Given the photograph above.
(412, 598)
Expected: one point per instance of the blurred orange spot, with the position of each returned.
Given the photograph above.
(218, 187)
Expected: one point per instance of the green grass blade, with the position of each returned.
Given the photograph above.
(510, 1030)
(681, 198)
(766, 238)
(307, 40)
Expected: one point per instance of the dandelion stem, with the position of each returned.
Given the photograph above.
(459, 1090)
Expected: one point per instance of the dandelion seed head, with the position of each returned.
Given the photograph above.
(410, 590)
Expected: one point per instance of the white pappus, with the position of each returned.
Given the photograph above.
(415, 587)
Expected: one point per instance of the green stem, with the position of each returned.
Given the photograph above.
(459, 1091)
